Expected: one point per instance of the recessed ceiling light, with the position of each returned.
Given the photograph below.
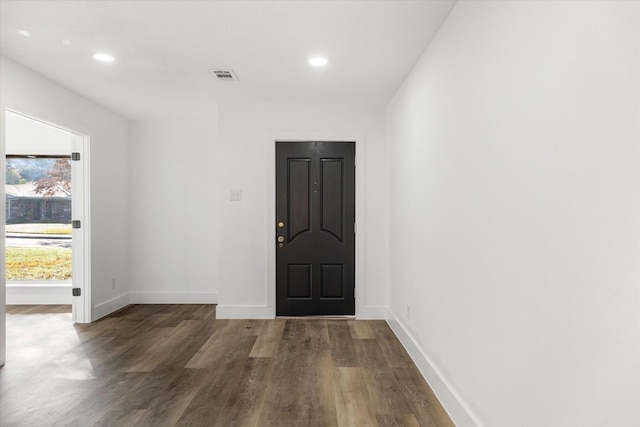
(24, 33)
(318, 61)
(103, 57)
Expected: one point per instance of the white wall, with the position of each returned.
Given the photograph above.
(174, 211)
(27, 136)
(515, 209)
(31, 94)
(246, 161)
(190, 244)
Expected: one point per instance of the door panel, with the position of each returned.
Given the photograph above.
(315, 215)
(299, 281)
(332, 281)
(298, 199)
(332, 207)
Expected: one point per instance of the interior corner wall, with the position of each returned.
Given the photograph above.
(31, 94)
(515, 203)
(174, 211)
(246, 161)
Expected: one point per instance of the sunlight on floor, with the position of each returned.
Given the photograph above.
(47, 341)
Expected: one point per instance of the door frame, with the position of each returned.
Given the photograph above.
(81, 211)
(270, 215)
(82, 236)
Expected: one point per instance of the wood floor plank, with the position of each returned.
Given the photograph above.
(166, 408)
(283, 401)
(120, 418)
(369, 354)
(93, 405)
(204, 312)
(353, 403)
(245, 404)
(421, 398)
(317, 335)
(177, 365)
(319, 392)
(182, 352)
(360, 330)
(390, 347)
(223, 379)
(252, 327)
(404, 420)
(269, 340)
(209, 353)
(343, 350)
(20, 408)
(146, 353)
(386, 392)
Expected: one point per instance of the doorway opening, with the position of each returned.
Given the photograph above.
(44, 212)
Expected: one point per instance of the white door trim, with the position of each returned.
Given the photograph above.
(81, 210)
(359, 140)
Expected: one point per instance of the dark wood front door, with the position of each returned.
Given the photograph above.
(315, 216)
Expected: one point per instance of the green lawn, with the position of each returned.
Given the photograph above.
(38, 263)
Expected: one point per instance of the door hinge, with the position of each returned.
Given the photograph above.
(355, 160)
(355, 227)
(75, 156)
(76, 292)
(76, 223)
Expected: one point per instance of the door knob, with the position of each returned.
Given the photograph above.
(280, 239)
(281, 224)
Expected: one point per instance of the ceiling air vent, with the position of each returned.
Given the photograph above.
(225, 75)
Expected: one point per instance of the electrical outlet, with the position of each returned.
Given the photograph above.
(235, 195)
(113, 283)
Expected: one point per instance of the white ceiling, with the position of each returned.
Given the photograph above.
(165, 49)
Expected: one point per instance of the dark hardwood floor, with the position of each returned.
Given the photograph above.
(166, 365)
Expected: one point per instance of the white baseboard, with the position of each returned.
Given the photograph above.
(108, 307)
(38, 294)
(163, 297)
(371, 312)
(245, 312)
(458, 410)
